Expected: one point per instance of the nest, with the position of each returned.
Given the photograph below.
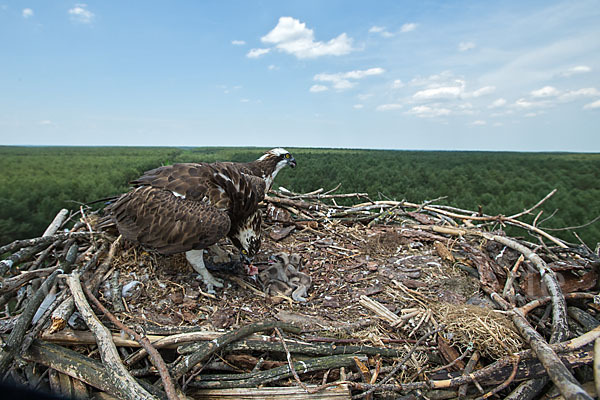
(396, 288)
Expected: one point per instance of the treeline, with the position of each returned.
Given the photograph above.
(36, 182)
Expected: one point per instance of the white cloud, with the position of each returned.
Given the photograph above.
(389, 107)
(318, 88)
(46, 122)
(444, 92)
(255, 53)
(27, 12)
(397, 84)
(411, 26)
(522, 103)
(428, 112)
(483, 91)
(478, 122)
(272, 67)
(584, 92)
(592, 106)
(342, 80)
(245, 100)
(465, 46)
(238, 42)
(381, 30)
(546, 91)
(531, 115)
(579, 69)
(80, 13)
(357, 106)
(497, 103)
(293, 37)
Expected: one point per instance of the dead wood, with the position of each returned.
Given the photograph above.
(155, 356)
(74, 364)
(12, 344)
(56, 223)
(119, 377)
(274, 374)
(189, 361)
(340, 392)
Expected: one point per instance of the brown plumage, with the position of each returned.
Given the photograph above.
(190, 206)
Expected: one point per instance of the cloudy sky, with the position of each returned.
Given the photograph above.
(449, 75)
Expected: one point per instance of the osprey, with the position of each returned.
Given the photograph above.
(188, 207)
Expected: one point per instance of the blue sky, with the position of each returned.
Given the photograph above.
(449, 75)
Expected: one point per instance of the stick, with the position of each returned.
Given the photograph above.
(154, 355)
(539, 203)
(12, 344)
(401, 363)
(120, 377)
(290, 363)
(558, 373)
(56, 223)
(46, 240)
(71, 363)
(462, 390)
(190, 361)
(254, 379)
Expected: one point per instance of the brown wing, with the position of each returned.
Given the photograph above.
(157, 218)
(195, 181)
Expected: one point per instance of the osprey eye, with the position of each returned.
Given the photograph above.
(244, 252)
(287, 155)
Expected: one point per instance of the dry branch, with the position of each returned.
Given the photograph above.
(155, 356)
(188, 362)
(119, 377)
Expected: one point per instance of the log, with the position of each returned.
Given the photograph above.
(190, 361)
(275, 393)
(300, 348)
(78, 366)
(120, 378)
(253, 379)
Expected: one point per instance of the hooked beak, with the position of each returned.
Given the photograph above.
(292, 162)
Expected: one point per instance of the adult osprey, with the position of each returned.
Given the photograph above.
(188, 207)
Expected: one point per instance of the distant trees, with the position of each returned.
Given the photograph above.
(38, 181)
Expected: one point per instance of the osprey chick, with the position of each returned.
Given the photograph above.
(188, 207)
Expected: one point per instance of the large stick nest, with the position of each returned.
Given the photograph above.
(384, 274)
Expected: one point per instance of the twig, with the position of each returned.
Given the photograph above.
(154, 355)
(539, 203)
(401, 362)
(462, 390)
(290, 363)
(505, 383)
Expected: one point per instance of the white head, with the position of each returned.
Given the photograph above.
(274, 160)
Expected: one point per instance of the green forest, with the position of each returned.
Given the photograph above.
(36, 182)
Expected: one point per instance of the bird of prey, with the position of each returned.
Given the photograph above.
(188, 207)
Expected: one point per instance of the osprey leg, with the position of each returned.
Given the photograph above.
(196, 258)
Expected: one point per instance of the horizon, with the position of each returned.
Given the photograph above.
(414, 76)
(309, 148)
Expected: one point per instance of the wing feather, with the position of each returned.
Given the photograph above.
(157, 218)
